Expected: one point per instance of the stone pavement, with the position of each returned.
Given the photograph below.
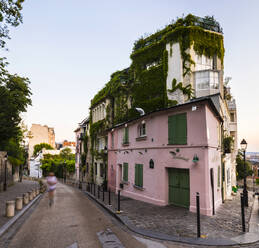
(179, 222)
(73, 221)
(12, 192)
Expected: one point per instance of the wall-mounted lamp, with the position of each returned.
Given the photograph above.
(195, 158)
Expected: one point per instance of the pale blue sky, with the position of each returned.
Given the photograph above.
(69, 49)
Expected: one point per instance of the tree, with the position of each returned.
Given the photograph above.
(38, 148)
(57, 163)
(14, 99)
(10, 15)
(240, 166)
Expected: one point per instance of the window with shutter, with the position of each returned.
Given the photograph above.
(139, 175)
(177, 129)
(125, 172)
(126, 135)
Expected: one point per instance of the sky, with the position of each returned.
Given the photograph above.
(68, 49)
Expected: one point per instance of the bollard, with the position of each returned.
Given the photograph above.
(25, 198)
(243, 212)
(10, 208)
(30, 195)
(198, 215)
(18, 203)
(103, 194)
(109, 197)
(98, 191)
(119, 203)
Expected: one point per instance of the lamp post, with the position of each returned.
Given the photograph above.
(245, 194)
(5, 173)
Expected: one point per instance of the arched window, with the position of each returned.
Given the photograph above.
(142, 129)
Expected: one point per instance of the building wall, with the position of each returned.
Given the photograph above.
(40, 134)
(175, 70)
(155, 146)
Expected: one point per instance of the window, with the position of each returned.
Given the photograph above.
(206, 80)
(126, 135)
(214, 62)
(112, 137)
(101, 170)
(232, 117)
(139, 175)
(177, 129)
(87, 167)
(142, 129)
(95, 167)
(125, 172)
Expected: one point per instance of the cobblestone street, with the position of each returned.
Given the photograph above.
(179, 221)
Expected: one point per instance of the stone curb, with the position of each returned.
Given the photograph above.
(8, 224)
(247, 238)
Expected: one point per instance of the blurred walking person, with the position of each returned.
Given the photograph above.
(51, 181)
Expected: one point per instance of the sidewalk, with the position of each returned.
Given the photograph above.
(178, 224)
(12, 192)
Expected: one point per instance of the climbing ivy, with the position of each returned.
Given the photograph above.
(187, 90)
(144, 82)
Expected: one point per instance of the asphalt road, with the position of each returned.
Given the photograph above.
(74, 219)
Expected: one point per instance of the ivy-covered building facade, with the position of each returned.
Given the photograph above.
(183, 61)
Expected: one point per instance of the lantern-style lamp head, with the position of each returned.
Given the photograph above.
(195, 158)
(243, 145)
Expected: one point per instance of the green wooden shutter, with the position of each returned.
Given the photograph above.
(140, 175)
(125, 172)
(126, 135)
(136, 174)
(177, 129)
(171, 129)
(182, 129)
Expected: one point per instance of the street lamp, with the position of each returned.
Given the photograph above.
(5, 173)
(245, 194)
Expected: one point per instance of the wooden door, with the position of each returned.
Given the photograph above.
(179, 187)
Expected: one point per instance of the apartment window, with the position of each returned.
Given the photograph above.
(232, 117)
(95, 168)
(125, 171)
(139, 175)
(177, 129)
(142, 129)
(126, 135)
(207, 79)
(214, 62)
(112, 138)
(101, 170)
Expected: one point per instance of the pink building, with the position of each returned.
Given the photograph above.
(166, 156)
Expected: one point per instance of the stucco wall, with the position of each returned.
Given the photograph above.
(155, 181)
